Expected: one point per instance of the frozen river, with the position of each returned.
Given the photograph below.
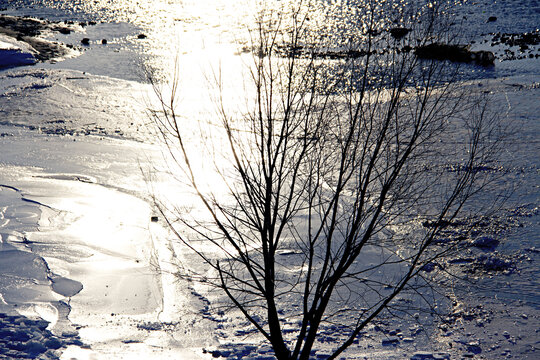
(80, 243)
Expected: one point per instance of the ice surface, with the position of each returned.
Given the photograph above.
(24, 278)
(66, 287)
(97, 238)
(84, 255)
(71, 102)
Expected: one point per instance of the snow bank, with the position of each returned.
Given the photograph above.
(25, 338)
(15, 53)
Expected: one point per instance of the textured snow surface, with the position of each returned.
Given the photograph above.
(86, 272)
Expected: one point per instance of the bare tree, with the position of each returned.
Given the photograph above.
(340, 173)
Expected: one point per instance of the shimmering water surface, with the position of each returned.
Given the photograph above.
(211, 30)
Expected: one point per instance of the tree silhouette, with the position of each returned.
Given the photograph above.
(340, 171)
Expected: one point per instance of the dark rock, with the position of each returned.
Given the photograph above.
(34, 348)
(141, 36)
(455, 53)
(492, 19)
(85, 41)
(104, 41)
(354, 54)
(20, 335)
(15, 345)
(53, 343)
(299, 51)
(391, 340)
(225, 353)
(22, 26)
(6, 333)
(434, 224)
(428, 267)
(150, 326)
(399, 33)
(532, 38)
(484, 58)
(474, 348)
(486, 243)
(75, 342)
(154, 219)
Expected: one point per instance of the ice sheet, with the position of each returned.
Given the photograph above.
(97, 238)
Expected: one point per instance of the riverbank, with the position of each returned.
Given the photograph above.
(25, 35)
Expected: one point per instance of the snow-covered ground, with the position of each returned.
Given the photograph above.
(15, 53)
(86, 266)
